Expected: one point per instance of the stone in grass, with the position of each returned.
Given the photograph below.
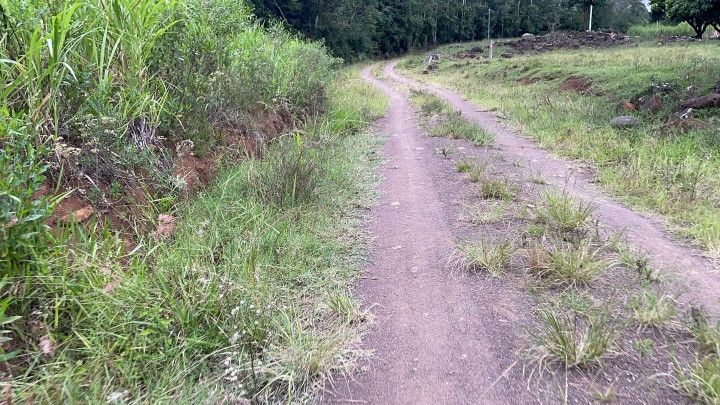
(624, 121)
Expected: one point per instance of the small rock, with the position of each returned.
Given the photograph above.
(528, 35)
(80, 215)
(624, 121)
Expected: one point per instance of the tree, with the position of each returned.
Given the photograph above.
(586, 6)
(699, 14)
(658, 10)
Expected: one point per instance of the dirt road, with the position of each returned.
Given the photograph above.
(447, 337)
(437, 337)
(696, 278)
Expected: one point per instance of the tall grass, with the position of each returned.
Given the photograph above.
(241, 304)
(653, 31)
(98, 93)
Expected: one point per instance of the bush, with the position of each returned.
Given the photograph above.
(110, 88)
(652, 31)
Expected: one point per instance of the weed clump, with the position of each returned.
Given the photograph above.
(289, 177)
(652, 310)
(457, 127)
(567, 264)
(493, 258)
(574, 340)
(429, 104)
(565, 215)
(498, 190)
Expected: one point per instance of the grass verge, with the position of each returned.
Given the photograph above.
(248, 300)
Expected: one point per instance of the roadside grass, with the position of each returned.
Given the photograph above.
(572, 339)
(443, 121)
(655, 166)
(484, 215)
(638, 261)
(567, 264)
(429, 104)
(658, 31)
(498, 189)
(700, 379)
(493, 258)
(464, 166)
(477, 173)
(247, 301)
(650, 309)
(456, 127)
(564, 214)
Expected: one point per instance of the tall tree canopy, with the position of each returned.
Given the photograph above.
(699, 14)
(357, 28)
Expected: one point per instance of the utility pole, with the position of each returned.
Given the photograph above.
(488, 35)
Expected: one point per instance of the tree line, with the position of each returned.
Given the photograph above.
(355, 29)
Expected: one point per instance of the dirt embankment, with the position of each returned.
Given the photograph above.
(566, 40)
(117, 197)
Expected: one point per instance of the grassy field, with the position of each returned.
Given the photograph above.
(248, 300)
(662, 165)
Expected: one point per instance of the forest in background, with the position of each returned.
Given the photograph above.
(356, 29)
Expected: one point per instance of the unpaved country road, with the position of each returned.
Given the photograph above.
(696, 278)
(440, 337)
(437, 338)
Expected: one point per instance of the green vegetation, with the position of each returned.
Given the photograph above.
(564, 214)
(464, 166)
(248, 298)
(356, 29)
(457, 127)
(502, 189)
(656, 31)
(651, 309)
(430, 104)
(701, 379)
(699, 14)
(666, 164)
(485, 256)
(574, 340)
(567, 264)
(484, 215)
(442, 121)
(216, 311)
